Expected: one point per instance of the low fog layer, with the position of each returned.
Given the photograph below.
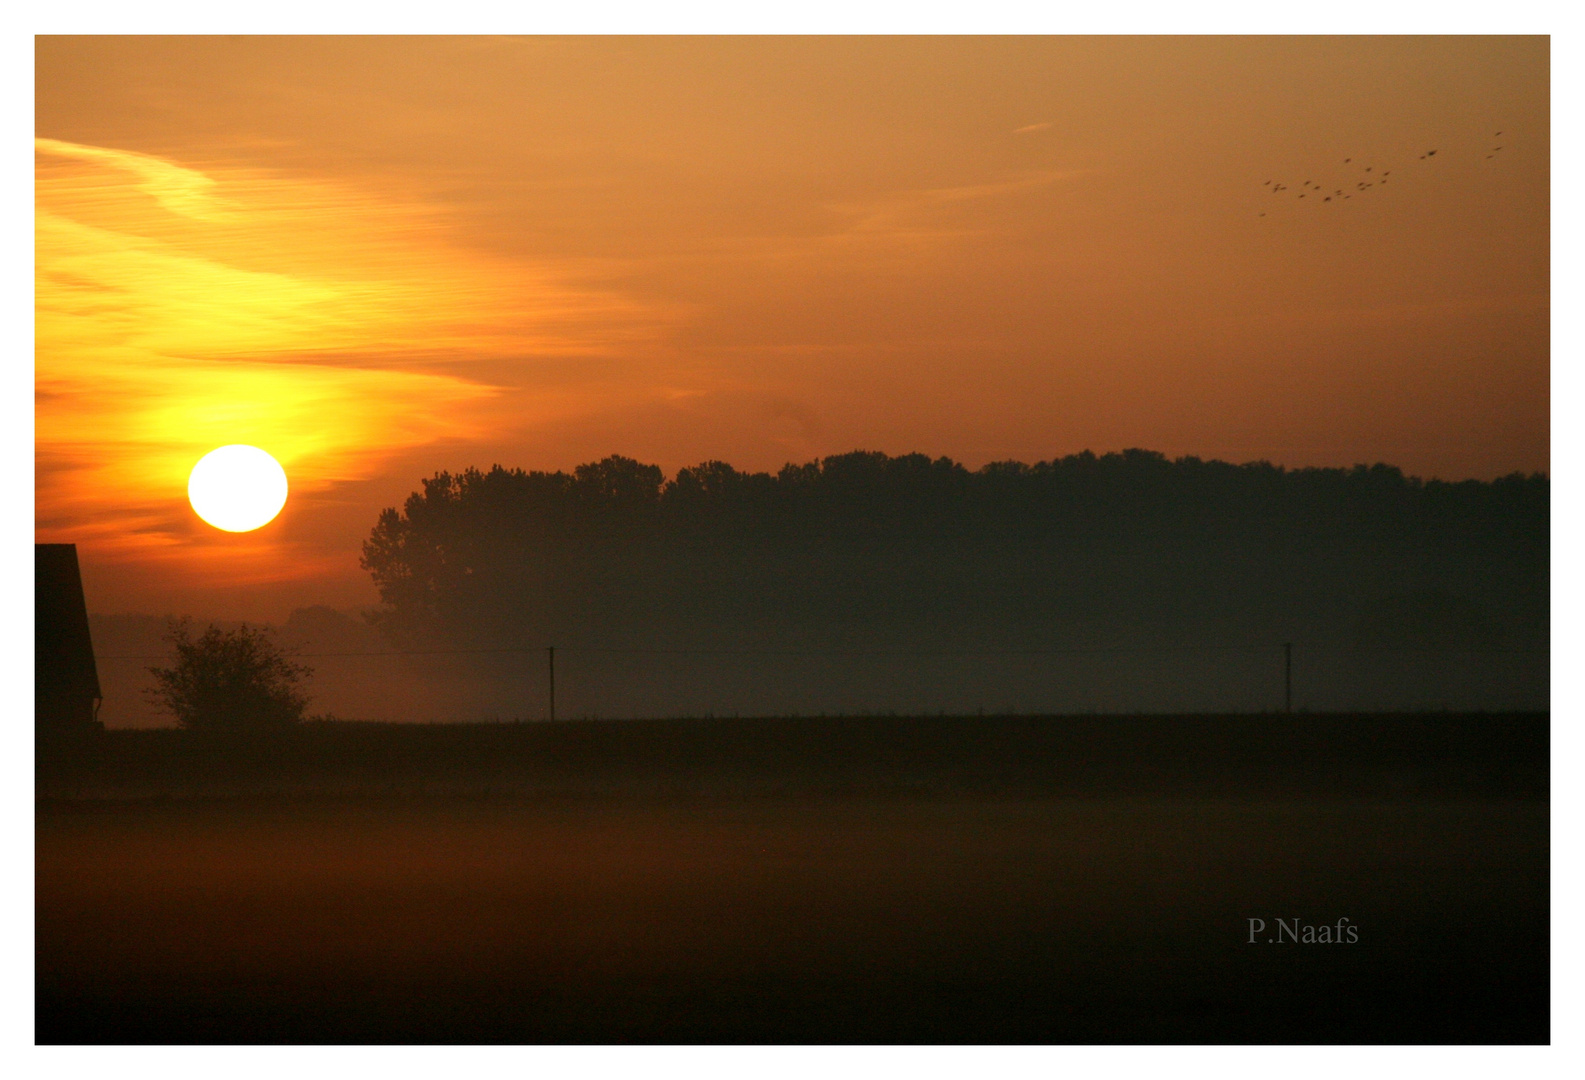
(863, 583)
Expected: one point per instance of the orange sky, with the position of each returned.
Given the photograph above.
(376, 258)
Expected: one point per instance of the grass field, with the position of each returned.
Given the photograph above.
(997, 879)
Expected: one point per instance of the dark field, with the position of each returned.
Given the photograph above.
(989, 879)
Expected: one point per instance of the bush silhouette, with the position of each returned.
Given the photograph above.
(230, 681)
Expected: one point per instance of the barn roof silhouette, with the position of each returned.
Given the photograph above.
(66, 678)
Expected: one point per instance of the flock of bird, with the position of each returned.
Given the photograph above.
(1362, 182)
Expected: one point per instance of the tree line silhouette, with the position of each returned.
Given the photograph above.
(863, 549)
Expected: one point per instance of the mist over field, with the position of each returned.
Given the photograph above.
(866, 583)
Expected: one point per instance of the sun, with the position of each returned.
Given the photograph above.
(237, 488)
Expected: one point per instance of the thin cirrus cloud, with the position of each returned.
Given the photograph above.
(180, 308)
(946, 211)
(180, 190)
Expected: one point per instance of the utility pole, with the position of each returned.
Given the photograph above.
(1287, 676)
(550, 651)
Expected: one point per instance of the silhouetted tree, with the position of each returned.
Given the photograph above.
(863, 547)
(229, 681)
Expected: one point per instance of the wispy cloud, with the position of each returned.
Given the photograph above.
(920, 213)
(178, 310)
(178, 189)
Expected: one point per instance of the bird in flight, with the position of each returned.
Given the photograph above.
(1361, 185)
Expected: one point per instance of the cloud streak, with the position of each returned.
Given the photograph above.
(180, 190)
(178, 310)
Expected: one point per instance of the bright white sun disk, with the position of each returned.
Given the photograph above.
(237, 488)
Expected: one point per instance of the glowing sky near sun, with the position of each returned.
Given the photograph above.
(376, 258)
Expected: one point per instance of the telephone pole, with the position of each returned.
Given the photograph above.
(550, 651)
(1287, 676)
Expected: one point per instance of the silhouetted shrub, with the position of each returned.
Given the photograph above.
(230, 681)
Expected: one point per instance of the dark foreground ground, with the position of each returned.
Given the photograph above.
(982, 880)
